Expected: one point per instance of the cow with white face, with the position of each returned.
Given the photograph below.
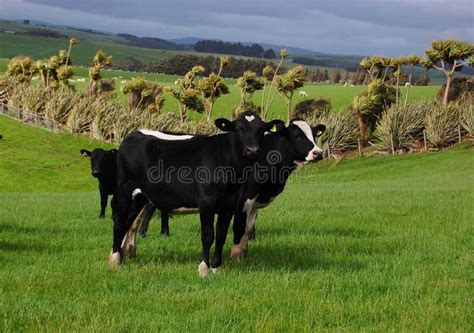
(282, 150)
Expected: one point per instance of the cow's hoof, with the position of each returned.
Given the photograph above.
(203, 270)
(236, 253)
(216, 270)
(115, 260)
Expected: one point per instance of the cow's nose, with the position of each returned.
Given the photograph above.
(95, 173)
(252, 150)
(318, 155)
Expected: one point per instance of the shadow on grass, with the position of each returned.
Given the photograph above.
(339, 257)
(298, 257)
(19, 229)
(25, 246)
(320, 231)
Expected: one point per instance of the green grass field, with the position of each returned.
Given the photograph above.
(372, 244)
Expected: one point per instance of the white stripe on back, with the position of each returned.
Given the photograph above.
(164, 136)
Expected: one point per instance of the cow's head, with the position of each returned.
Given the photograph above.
(301, 136)
(249, 130)
(101, 160)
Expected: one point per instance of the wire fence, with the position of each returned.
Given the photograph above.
(28, 117)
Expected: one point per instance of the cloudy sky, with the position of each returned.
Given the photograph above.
(389, 27)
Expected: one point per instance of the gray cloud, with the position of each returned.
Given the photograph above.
(337, 26)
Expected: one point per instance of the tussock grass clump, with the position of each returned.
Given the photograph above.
(81, 116)
(402, 124)
(467, 116)
(442, 123)
(341, 132)
(59, 105)
(107, 114)
(31, 98)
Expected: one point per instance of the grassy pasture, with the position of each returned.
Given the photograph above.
(375, 244)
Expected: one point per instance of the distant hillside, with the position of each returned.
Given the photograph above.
(44, 40)
(150, 42)
(186, 40)
(266, 46)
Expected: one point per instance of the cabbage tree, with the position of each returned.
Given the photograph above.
(448, 56)
(288, 83)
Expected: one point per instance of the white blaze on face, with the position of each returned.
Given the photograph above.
(136, 192)
(304, 126)
(250, 118)
(164, 136)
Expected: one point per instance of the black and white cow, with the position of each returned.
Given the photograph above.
(187, 173)
(104, 168)
(281, 152)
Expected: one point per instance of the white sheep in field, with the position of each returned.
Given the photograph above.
(408, 84)
(303, 94)
(81, 80)
(123, 81)
(352, 85)
(71, 80)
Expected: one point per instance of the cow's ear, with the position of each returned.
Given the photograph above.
(224, 125)
(318, 130)
(276, 125)
(85, 153)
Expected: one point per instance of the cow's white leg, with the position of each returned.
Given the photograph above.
(129, 248)
(244, 242)
(237, 250)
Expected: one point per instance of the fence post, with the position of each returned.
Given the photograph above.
(329, 153)
(358, 146)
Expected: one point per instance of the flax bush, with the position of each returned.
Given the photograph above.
(31, 98)
(341, 132)
(402, 123)
(467, 116)
(442, 123)
(59, 105)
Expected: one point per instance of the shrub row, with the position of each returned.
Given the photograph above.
(100, 116)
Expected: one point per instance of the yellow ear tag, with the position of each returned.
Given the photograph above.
(319, 133)
(274, 128)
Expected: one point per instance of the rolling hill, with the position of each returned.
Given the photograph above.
(20, 39)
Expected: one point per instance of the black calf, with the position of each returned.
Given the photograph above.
(104, 168)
